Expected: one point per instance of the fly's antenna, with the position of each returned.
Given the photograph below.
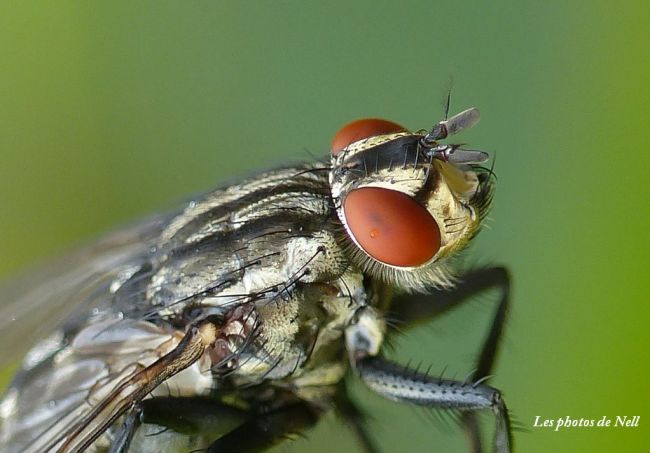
(447, 103)
(450, 126)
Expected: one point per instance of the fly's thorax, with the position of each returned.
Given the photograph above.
(243, 240)
(405, 212)
(269, 261)
(299, 338)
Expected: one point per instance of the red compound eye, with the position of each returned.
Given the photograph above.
(360, 129)
(391, 227)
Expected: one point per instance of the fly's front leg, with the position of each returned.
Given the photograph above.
(398, 383)
(413, 309)
(416, 308)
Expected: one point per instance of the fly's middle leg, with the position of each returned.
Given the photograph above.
(268, 429)
(165, 422)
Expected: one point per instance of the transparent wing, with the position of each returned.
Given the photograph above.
(84, 363)
(67, 403)
(36, 303)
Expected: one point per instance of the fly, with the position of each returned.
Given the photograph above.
(233, 322)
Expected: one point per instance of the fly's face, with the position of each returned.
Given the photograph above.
(407, 201)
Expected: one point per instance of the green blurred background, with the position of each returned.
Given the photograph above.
(112, 110)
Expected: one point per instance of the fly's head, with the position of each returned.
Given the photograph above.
(407, 201)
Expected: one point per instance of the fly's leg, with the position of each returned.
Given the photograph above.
(134, 387)
(266, 430)
(125, 433)
(190, 416)
(401, 384)
(418, 308)
(355, 418)
(412, 309)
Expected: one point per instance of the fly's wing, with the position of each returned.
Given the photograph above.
(61, 399)
(100, 349)
(85, 352)
(35, 304)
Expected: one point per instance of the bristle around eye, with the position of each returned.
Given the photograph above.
(421, 280)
